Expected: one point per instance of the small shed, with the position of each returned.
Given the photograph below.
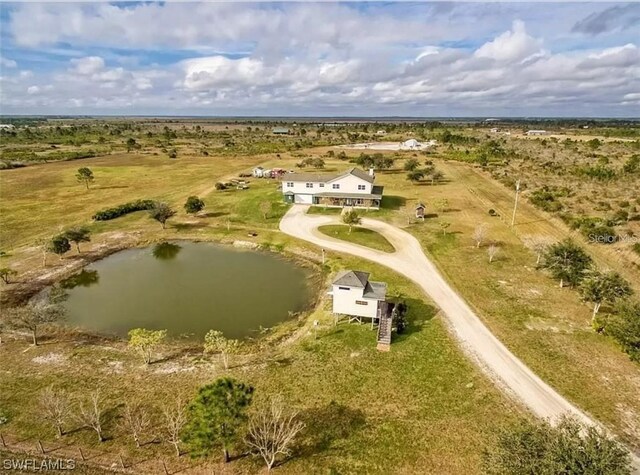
(258, 172)
(420, 210)
(280, 131)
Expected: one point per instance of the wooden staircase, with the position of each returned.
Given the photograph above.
(384, 328)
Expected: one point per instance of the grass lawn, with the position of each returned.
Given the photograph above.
(421, 407)
(323, 210)
(362, 236)
(545, 326)
(39, 199)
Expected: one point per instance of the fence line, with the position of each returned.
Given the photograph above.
(87, 458)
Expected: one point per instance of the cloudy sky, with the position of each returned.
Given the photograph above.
(350, 59)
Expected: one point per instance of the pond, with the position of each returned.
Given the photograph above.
(187, 288)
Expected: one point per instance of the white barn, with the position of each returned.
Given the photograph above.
(353, 188)
(355, 295)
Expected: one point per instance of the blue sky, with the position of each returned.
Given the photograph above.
(418, 59)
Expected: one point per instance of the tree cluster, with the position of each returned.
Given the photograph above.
(126, 208)
(538, 448)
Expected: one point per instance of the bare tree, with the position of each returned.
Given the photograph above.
(538, 244)
(272, 431)
(265, 209)
(91, 413)
(480, 234)
(55, 408)
(33, 316)
(493, 251)
(215, 342)
(175, 418)
(136, 419)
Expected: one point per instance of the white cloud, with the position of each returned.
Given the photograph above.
(88, 65)
(309, 58)
(514, 45)
(7, 63)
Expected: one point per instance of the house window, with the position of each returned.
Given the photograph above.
(336, 186)
(344, 288)
(321, 185)
(289, 184)
(361, 302)
(361, 187)
(309, 185)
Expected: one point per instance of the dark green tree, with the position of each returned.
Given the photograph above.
(85, 175)
(161, 212)
(59, 245)
(216, 417)
(415, 175)
(411, 165)
(604, 287)
(624, 326)
(131, 144)
(567, 262)
(77, 235)
(193, 205)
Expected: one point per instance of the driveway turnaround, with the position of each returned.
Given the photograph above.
(477, 341)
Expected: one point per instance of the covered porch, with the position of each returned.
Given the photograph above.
(353, 200)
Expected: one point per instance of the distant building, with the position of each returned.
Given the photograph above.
(381, 132)
(258, 172)
(280, 131)
(353, 188)
(537, 132)
(413, 144)
(495, 130)
(7, 127)
(420, 208)
(355, 295)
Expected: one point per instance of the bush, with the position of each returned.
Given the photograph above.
(131, 207)
(636, 248)
(568, 448)
(546, 199)
(221, 186)
(624, 327)
(493, 212)
(596, 229)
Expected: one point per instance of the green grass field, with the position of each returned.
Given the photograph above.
(421, 407)
(362, 236)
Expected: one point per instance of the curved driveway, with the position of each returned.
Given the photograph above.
(477, 341)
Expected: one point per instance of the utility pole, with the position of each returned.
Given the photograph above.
(323, 258)
(515, 206)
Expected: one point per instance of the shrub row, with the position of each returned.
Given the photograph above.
(132, 206)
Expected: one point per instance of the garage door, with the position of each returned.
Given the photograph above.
(304, 199)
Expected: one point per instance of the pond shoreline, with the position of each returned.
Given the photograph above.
(35, 282)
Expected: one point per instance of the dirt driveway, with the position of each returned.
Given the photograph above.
(475, 338)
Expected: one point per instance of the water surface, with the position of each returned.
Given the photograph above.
(186, 288)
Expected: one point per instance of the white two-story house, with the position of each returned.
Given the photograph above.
(355, 295)
(353, 187)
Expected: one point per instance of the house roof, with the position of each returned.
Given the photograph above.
(328, 177)
(375, 290)
(352, 278)
(420, 205)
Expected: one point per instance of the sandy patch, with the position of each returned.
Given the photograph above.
(172, 368)
(50, 358)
